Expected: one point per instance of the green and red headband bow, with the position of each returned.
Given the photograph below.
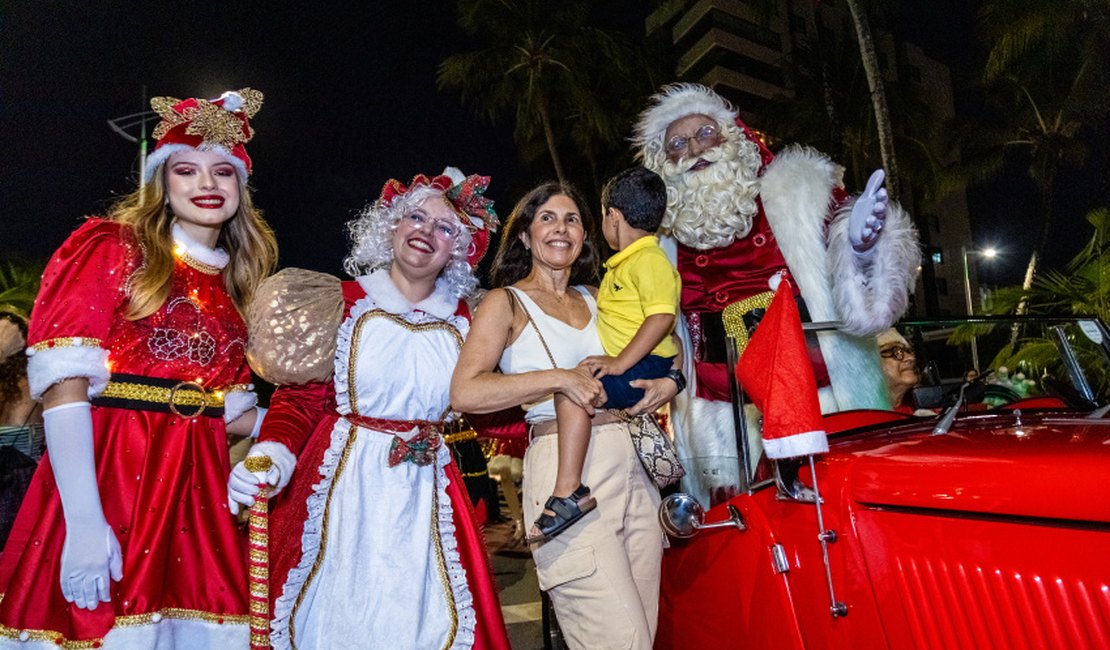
(466, 196)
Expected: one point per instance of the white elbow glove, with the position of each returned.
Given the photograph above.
(242, 485)
(259, 416)
(91, 554)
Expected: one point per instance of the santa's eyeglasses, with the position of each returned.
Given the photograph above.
(896, 352)
(706, 137)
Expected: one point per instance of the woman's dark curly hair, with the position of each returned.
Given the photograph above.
(14, 368)
(513, 262)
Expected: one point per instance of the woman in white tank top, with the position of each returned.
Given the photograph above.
(602, 573)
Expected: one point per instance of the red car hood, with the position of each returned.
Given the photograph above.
(1052, 466)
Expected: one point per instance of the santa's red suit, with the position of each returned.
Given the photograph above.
(799, 224)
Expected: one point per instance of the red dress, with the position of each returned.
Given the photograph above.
(162, 477)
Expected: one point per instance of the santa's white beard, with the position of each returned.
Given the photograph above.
(713, 207)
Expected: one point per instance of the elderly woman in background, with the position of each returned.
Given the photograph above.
(375, 544)
(900, 371)
(603, 573)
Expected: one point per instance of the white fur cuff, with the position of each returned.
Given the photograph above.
(51, 365)
(799, 444)
(237, 403)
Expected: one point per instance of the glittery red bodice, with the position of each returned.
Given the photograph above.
(197, 334)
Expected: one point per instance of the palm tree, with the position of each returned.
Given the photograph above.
(878, 93)
(1053, 61)
(543, 63)
(19, 284)
(1082, 288)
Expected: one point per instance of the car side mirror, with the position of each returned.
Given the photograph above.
(682, 516)
(928, 397)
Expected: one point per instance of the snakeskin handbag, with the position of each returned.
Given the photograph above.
(652, 444)
(655, 449)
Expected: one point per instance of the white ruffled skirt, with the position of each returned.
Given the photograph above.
(380, 566)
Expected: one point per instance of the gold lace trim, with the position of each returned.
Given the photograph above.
(134, 620)
(184, 394)
(461, 436)
(733, 317)
(441, 562)
(66, 342)
(351, 435)
(352, 392)
(196, 264)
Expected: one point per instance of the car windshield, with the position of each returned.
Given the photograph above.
(1010, 359)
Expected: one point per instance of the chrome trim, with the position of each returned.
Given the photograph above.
(789, 486)
(779, 561)
(836, 608)
(681, 516)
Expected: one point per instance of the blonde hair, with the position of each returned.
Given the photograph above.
(247, 238)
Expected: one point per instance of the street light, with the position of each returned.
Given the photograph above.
(122, 125)
(988, 253)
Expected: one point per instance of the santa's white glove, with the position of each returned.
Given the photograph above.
(868, 215)
(91, 555)
(242, 485)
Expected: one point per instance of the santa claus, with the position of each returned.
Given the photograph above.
(738, 216)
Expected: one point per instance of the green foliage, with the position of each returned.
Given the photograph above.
(1081, 288)
(559, 78)
(19, 284)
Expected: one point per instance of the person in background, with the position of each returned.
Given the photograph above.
(899, 366)
(137, 351)
(21, 432)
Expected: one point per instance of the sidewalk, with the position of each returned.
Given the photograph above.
(515, 574)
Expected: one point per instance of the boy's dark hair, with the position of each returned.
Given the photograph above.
(639, 194)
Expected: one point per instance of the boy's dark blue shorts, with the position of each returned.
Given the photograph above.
(621, 395)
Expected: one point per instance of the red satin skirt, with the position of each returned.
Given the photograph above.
(163, 487)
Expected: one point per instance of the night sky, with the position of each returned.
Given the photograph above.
(350, 102)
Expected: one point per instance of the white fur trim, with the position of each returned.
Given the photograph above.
(216, 257)
(873, 292)
(674, 102)
(49, 366)
(231, 101)
(238, 402)
(163, 152)
(166, 634)
(797, 194)
(799, 444)
(380, 288)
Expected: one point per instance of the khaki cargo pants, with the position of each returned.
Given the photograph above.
(603, 572)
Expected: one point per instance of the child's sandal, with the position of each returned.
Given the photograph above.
(561, 513)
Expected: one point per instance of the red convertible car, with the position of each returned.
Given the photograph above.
(984, 525)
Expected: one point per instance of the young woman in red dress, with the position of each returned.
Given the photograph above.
(137, 351)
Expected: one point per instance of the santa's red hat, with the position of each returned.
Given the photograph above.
(219, 125)
(775, 371)
(466, 194)
(676, 101)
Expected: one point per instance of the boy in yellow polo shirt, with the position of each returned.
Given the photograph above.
(636, 304)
